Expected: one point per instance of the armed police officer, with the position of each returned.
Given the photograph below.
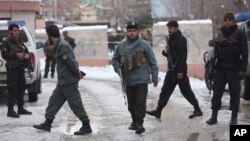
(67, 86)
(16, 55)
(136, 60)
(69, 39)
(50, 61)
(176, 53)
(231, 60)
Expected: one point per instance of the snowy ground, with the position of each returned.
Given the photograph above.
(104, 103)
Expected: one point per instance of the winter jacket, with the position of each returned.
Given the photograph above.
(136, 61)
(67, 67)
(233, 54)
(177, 52)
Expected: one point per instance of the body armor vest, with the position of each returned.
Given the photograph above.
(14, 48)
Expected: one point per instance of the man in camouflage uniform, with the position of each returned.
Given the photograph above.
(16, 55)
(50, 61)
(67, 86)
(135, 62)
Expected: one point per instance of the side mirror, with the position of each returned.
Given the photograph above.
(212, 43)
(39, 45)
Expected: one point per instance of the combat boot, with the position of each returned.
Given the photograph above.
(140, 129)
(12, 112)
(46, 125)
(156, 113)
(213, 119)
(22, 111)
(85, 129)
(234, 119)
(133, 125)
(197, 112)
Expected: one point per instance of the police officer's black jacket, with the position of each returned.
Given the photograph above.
(177, 52)
(9, 52)
(232, 55)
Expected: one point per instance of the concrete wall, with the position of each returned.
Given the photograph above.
(198, 33)
(91, 44)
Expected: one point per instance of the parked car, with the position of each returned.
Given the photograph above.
(33, 79)
(243, 22)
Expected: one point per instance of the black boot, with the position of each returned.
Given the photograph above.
(213, 119)
(85, 129)
(52, 75)
(12, 112)
(234, 117)
(46, 125)
(156, 113)
(22, 111)
(133, 125)
(197, 112)
(140, 129)
(45, 76)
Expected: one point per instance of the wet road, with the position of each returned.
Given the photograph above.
(110, 118)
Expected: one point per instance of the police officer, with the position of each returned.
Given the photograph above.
(176, 53)
(69, 39)
(50, 61)
(232, 57)
(16, 55)
(67, 86)
(135, 60)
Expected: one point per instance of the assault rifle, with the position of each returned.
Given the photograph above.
(211, 63)
(28, 62)
(122, 85)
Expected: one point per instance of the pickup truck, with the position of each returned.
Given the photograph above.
(33, 79)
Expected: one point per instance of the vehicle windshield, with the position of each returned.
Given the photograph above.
(4, 34)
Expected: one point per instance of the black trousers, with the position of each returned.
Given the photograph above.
(15, 86)
(169, 85)
(137, 96)
(50, 62)
(222, 77)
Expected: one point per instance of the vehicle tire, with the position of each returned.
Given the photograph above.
(32, 97)
(34, 89)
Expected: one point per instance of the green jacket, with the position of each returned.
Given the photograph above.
(136, 72)
(67, 66)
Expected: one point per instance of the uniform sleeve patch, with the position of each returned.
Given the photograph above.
(64, 57)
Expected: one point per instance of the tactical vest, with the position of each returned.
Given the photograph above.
(133, 61)
(228, 48)
(14, 48)
(49, 50)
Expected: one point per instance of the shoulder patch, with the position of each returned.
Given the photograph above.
(64, 57)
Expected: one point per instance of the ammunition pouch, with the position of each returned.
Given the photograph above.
(134, 61)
